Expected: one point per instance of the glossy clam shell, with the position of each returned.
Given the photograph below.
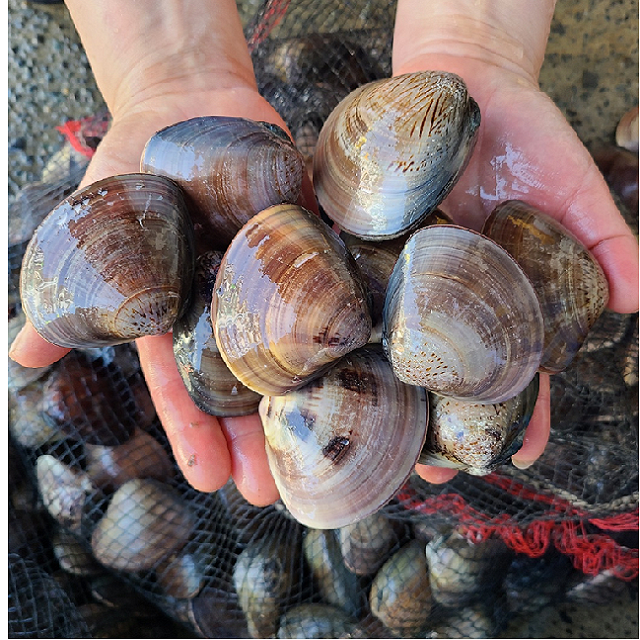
(475, 437)
(288, 302)
(377, 259)
(392, 150)
(212, 387)
(341, 447)
(461, 318)
(230, 169)
(111, 263)
(569, 282)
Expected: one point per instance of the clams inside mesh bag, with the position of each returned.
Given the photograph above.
(355, 380)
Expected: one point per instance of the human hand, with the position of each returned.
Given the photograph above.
(158, 81)
(525, 150)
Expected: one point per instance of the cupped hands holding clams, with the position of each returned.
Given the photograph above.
(154, 75)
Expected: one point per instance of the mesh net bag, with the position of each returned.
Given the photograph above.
(106, 538)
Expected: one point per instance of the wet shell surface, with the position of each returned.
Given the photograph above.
(475, 437)
(315, 620)
(109, 264)
(212, 387)
(230, 169)
(320, 440)
(392, 150)
(569, 282)
(289, 301)
(461, 318)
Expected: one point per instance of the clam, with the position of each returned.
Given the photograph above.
(64, 489)
(145, 522)
(475, 437)
(337, 585)
(461, 318)
(392, 150)
(315, 621)
(229, 168)
(460, 571)
(569, 282)
(357, 427)
(181, 575)
(141, 456)
(366, 544)
(109, 264)
(377, 259)
(627, 130)
(212, 387)
(400, 594)
(89, 401)
(27, 424)
(289, 301)
(73, 556)
(466, 622)
(262, 576)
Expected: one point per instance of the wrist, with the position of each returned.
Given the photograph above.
(448, 34)
(142, 52)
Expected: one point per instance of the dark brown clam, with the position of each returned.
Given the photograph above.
(289, 301)
(111, 263)
(212, 387)
(569, 282)
(392, 150)
(461, 318)
(319, 440)
(475, 437)
(230, 169)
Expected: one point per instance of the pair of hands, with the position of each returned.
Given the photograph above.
(525, 150)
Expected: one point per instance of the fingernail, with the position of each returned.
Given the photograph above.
(18, 344)
(522, 464)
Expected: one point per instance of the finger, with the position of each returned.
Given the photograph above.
(537, 433)
(198, 442)
(435, 475)
(29, 349)
(249, 464)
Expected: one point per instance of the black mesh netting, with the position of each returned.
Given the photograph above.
(106, 539)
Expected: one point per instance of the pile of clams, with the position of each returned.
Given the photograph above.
(281, 317)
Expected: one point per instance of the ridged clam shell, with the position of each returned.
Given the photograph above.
(315, 620)
(212, 387)
(289, 301)
(461, 318)
(341, 447)
(109, 264)
(400, 594)
(145, 522)
(230, 169)
(475, 437)
(392, 150)
(569, 282)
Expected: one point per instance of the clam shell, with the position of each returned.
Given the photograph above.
(337, 585)
(319, 440)
(64, 490)
(392, 150)
(569, 282)
(315, 620)
(109, 264)
(400, 595)
(262, 575)
(366, 544)
(145, 522)
(475, 437)
(210, 383)
(229, 168)
(142, 456)
(461, 318)
(289, 301)
(627, 130)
